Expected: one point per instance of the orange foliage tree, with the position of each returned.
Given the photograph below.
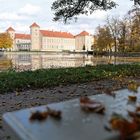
(5, 41)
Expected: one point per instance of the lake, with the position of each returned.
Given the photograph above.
(33, 61)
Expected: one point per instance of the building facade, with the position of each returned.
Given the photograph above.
(45, 40)
(20, 41)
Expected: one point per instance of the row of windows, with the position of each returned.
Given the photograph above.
(80, 41)
(22, 41)
(57, 47)
(20, 46)
(57, 40)
(23, 47)
(54, 47)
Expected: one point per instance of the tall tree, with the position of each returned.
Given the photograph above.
(123, 35)
(5, 41)
(103, 39)
(113, 25)
(134, 29)
(67, 9)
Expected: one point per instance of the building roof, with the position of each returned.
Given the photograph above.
(34, 25)
(22, 36)
(56, 34)
(10, 29)
(84, 33)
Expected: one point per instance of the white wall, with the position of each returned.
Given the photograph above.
(54, 43)
(82, 41)
(35, 39)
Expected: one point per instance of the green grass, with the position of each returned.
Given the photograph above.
(14, 81)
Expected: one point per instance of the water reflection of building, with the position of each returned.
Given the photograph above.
(39, 61)
(60, 61)
(32, 61)
(36, 62)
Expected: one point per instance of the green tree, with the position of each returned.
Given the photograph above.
(5, 41)
(67, 9)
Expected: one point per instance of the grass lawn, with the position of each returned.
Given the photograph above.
(11, 80)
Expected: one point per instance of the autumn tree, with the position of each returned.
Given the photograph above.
(125, 32)
(123, 35)
(104, 39)
(5, 41)
(113, 25)
(67, 9)
(134, 29)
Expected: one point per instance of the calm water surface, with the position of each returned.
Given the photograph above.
(33, 61)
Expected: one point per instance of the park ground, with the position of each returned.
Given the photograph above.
(113, 78)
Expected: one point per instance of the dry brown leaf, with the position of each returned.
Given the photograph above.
(133, 86)
(40, 116)
(132, 98)
(90, 105)
(54, 113)
(125, 127)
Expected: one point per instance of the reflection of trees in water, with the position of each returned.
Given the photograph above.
(97, 60)
(5, 64)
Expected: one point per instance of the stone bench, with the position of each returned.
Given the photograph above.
(74, 125)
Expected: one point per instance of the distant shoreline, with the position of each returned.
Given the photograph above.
(126, 54)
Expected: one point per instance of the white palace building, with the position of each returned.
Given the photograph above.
(45, 40)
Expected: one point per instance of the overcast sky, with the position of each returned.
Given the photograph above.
(21, 14)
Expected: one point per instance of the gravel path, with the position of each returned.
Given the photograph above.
(26, 99)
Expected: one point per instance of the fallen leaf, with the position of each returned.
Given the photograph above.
(54, 113)
(17, 93)
(132, 98)
(133, 86)
(90, 105)
(40, 116)
(125, 127)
